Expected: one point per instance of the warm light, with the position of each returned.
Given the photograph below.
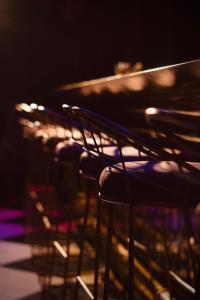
(65, 106)
(23, 107)
(37, 123)
(33, 106)
(98, 88)
(18, 107)
(84, 286)
(59, 147)
(40, 107)
(114, 87)
(23, 122)
(60, 132)
(30, 124)
(164, 78)
(182, 282)
(151, 111)
(172, 151)
(86, 90)
(138, 66)
(46, 222)
(135, 84)
(60, 249)
(39, 207)
(33, 194)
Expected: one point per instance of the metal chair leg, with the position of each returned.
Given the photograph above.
(97, 244)
(82, 239)
(188, 232)
(108, 253)
(131, 254)
(167, 254)
(66, 263)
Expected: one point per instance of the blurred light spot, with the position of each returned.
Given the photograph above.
(46, 222)
(138, 66)
(33, 105)
(164, 78)
(135, 83)
(172, 151)
(123, 67)
(40, 107)
(39, 207)
(86, 91)
(114, 86)
(60, 249)
(151, 111)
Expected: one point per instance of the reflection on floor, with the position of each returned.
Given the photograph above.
(17, 279)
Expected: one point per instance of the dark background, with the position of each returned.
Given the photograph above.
(44, 43)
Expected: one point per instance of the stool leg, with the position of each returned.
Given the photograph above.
(97, 243)
(188, 233)
(80, 260)
(131, 254)
(66, 264)
(167, 262)
(108, 253)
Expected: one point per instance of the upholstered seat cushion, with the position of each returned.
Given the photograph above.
(150, 182)
(50, 143)
(68, 151)
(92, 165)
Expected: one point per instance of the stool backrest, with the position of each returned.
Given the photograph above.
(180, 128)
(97, 132)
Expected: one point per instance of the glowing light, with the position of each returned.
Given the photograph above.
(182, 282)
(65, 106)
(151, 111)
(18, 107)
(37, 123)
(60, 249)
(46, 222)
(172, 151)
(33, 106)
(114, 87)
(23, 107)
(84, 286)
(39, 207)
(135, 84)
(60, 132)
(164, 78)
(86, 91)
(40, 107)
(33, 194)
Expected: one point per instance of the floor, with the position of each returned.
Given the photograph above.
(15, 258)
(18, 280)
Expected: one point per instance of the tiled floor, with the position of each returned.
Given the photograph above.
(16, 279)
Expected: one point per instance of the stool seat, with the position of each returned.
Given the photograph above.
(150, 183)
(51, 143)
(92, 166)
(67, 151)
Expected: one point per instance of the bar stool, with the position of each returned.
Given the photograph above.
(181, 128)
(49, 129)
(90, 169)
(152, 183)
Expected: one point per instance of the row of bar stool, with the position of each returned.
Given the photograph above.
(162, 180)
(52, 158)
(129, 171)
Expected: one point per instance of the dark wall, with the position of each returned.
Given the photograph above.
(44, 43)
